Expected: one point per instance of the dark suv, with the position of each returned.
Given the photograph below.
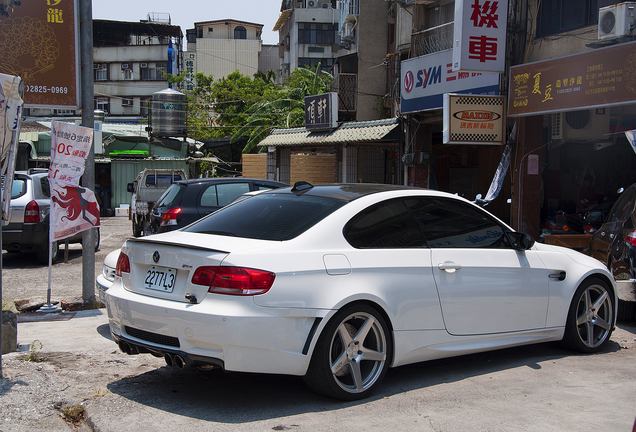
(187, 201)
(27, 229)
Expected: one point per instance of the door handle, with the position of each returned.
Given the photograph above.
(449, 266)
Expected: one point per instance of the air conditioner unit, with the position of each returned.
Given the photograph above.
(127, 102)
(125, 66)
(584, 125)
(313, 4)
(143, 65)
(617, 20)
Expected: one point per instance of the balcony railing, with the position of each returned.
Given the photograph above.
(346, 85)
(432, 40)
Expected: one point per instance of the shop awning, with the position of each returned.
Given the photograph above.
(376, 131)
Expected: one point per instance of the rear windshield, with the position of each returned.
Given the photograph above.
(169, 195)
(162, 180)
(275, 217)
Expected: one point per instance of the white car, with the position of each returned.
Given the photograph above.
(337, 283)
(106, 278)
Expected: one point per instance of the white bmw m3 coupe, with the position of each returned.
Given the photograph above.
(337, 283)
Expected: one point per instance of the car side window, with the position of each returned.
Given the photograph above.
(447, 223)
(209, 197)
(230, 191)
(44, 185)
(18, 187)
(388, 224)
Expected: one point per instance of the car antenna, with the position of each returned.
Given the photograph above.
(302, 186)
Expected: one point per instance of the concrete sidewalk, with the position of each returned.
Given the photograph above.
(84, 332)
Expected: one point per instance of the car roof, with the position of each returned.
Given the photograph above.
(340, 191)
(227, 180)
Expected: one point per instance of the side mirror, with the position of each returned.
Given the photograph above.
(520, 241)
(129, 187)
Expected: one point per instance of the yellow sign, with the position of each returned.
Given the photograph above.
(473, 119)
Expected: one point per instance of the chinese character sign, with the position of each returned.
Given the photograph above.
(425, 79)
(73, 208)
(602, 77)
(321, 111)
(473, 119)
(39, 43)
(480, 35)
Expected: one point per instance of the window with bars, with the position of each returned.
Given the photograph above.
(154, 72)
(100, 72)
(316, 33)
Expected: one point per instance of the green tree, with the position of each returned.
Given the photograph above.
(287, 109)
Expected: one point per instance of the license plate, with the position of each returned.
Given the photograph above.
(160, 279)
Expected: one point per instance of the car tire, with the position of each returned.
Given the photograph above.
(43, 253)
(357, 339)
(136, 228)
(97, 239)
(590, 320)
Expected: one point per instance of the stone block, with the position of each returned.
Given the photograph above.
(9, 332)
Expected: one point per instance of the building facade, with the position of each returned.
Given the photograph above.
(225, 46)
(130, 63)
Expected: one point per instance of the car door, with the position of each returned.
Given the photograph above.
(607, 242)
(484, 285)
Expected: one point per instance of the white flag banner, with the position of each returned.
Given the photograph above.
(10, 119)
(73, 208)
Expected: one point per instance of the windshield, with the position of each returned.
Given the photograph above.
(268, 217)
(169, 195)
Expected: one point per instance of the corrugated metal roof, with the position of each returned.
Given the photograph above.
(351, 132)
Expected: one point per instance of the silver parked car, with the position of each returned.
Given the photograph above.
(28, 220)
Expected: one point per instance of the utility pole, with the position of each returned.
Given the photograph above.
(88, 120)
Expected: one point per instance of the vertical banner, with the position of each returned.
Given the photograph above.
(479, 43)
(73, 208)
(10, 119)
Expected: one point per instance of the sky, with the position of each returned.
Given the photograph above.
(185, 13)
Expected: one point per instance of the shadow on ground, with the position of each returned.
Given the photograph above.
(215, 394)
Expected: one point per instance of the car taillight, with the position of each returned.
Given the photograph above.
(630, 239)
(123, 264)
(32, 212)
(234, 280)
(170, 217)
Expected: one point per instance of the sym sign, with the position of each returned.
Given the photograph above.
(479, 44)
(425, 79)
(39, 43)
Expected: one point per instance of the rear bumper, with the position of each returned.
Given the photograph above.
(24, 237)
(223, 330)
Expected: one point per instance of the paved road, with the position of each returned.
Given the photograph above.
(23, 278)
(535, 388)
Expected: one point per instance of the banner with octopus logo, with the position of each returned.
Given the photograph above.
(73, 207)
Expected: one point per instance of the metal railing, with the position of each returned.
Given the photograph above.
(434, 39)
(346, 85)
